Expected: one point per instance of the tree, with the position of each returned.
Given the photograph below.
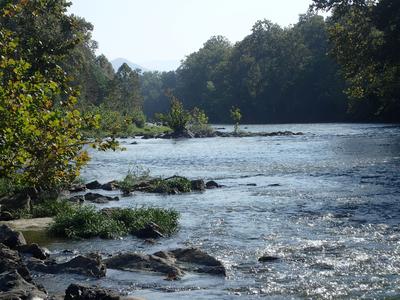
(40, 129)
(236, 116)
(177, 118)
(365, 38)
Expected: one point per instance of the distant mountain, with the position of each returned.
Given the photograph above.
(116, 63)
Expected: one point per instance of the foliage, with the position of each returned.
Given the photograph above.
(135, 176)
(199, 122)
(136, 219)
(236, 116)
(85, 222)
(177, 118)
(171, 185)
(365, 36)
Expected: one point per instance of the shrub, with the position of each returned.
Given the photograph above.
(86, 222)
(170, 185)
(135, 175)
(178, 118)
(136, 219)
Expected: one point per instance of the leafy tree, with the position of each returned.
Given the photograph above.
(177, 118)
(236, 116)
(365, 38)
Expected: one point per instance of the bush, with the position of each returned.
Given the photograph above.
(135, 175)
(85, 222)
(169, 186)
(51, 208)
(178, 118)
(136, 219)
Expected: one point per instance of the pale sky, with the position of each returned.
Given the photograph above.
(144, 31)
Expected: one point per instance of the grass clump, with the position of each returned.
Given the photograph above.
(136, 219)
(85, 222)
(135, 176)
(171, 185)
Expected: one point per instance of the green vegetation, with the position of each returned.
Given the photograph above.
(86, 222)
(48, 208)
(365, 38)
(177, 118)
(134, 177)
(236, 117)
(170, 185)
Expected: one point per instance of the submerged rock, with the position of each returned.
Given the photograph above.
(90, 265)
(75, 188)
(268, 258)
(14, 286)
(11, 238)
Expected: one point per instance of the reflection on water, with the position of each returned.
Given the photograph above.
(326, 203)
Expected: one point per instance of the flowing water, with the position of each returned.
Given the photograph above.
(327, 203)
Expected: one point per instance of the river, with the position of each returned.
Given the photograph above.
(327, 203)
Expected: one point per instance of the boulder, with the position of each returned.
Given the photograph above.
(14, 286)
(15, 202)
(11, 238)
(173, 263)
(10, 260)
(150, 231)
(110, 186)
(94, 185)
(198, 185)
(90, 265)
(98, 198)
(143, 262)
(35, 250)
(212, 184)
(82, 292)
(6, 216)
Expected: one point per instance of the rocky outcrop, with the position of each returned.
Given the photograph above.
(90, 265)
(10, 260)
(142, 262)
(173, 264)
(34, 250)
(15, 202)
(14, 286)
(82, 292)
(110, 186)
(11, 238)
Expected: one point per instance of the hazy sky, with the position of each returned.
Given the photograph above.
(149, 30)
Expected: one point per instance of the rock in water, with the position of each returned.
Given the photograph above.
(198, 185)
(11, 238)
(98, 198)
(268, 258)
(10, 260)
(13, 286)
(150, 231)
(81, 292)
(212, 185)
(94, 185)
(35, 250)
(90, 265)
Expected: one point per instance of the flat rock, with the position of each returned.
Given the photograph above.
(36, 224)
(98, 198)
(268, 258)
(90, 265)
